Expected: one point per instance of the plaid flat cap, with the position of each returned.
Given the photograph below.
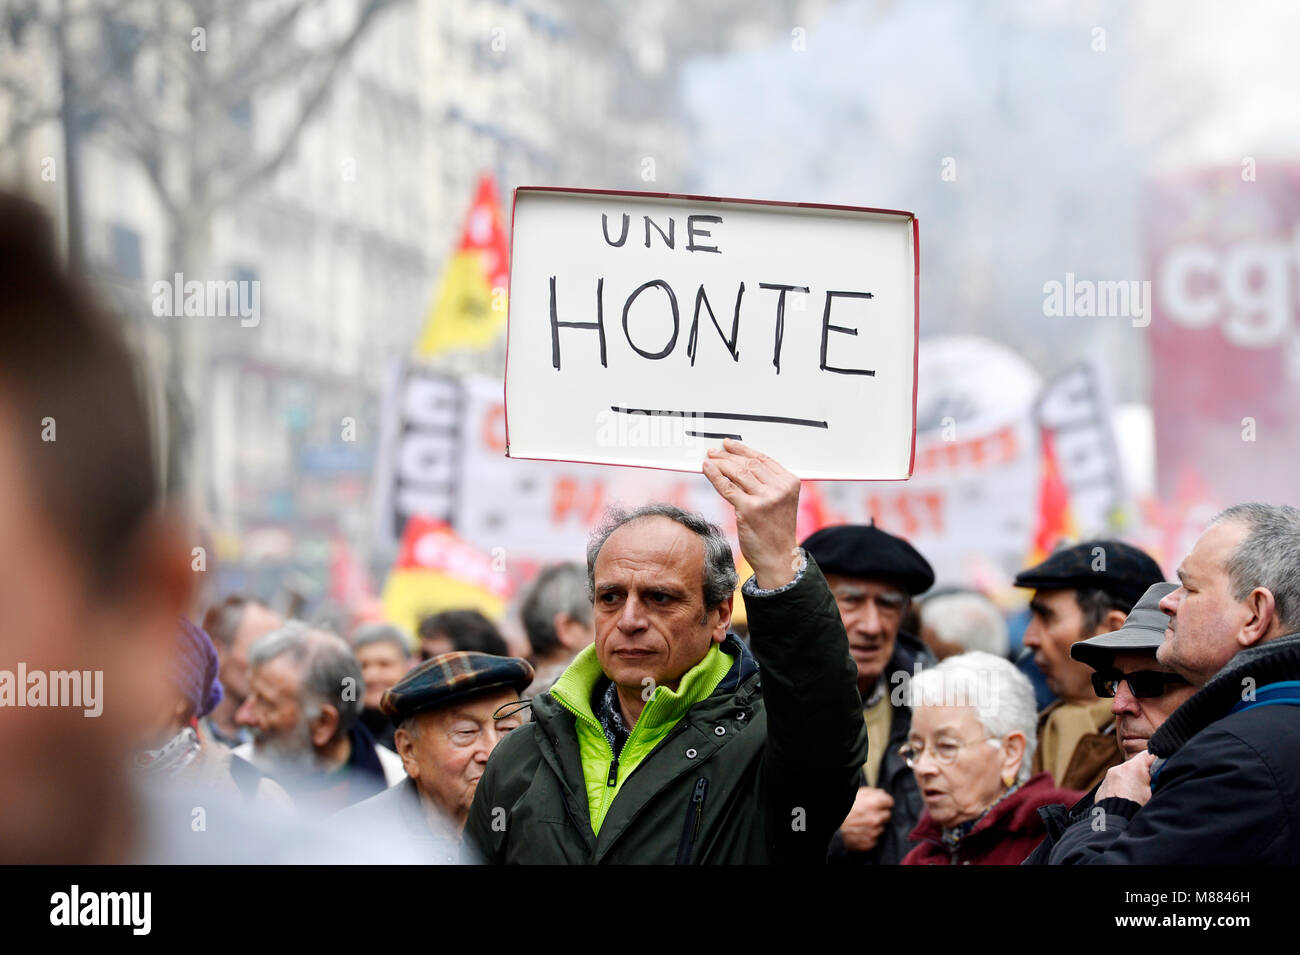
(1119, 569)
(1144, 630)
(452, 677)
(868, 553)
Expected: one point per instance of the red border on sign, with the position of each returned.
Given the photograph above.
(916, 300)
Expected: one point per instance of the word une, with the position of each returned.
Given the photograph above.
(84, 688)
(668, 304)
(103, 908)
(208, 299)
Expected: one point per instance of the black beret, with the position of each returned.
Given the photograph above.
(1143, 631)
(867, 552)
(451, 677)
(1119, 569)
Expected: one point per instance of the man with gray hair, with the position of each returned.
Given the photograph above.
(557, 619)
(1220, 780)
(303, 707)
(662, 742)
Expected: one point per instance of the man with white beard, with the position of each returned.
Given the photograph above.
(303, 707)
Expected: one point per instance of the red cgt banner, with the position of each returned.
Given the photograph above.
(1223, 251)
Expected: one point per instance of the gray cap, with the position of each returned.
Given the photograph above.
(1144, 629)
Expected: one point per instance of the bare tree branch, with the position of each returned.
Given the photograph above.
(312, 104)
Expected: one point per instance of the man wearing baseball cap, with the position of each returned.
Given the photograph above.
(874, 576)
(1142, 691)
(450, 712)
(1080, 592)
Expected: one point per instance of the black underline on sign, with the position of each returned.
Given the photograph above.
(714, 434)
(771, 419)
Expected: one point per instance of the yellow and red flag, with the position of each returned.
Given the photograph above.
(1055, 521)
(436, 570)
(469, 309)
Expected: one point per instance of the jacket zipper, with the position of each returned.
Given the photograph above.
(612, 779)
(691, 828)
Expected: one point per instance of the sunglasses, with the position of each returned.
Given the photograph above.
(1144, 684)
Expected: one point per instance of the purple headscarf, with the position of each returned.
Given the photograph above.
(195, 666)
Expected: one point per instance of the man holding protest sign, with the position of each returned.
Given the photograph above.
(663, 742)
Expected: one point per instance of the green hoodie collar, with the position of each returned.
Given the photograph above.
(574, 688)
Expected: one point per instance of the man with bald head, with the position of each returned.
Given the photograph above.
(303, 708)
(1220, 781)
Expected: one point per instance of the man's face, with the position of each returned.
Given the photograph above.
(1137, 718)
(1204, 619)
(382, 665)
(448, 752)
(872, 611)
(1055, 624)
(650, 619)
(119, 645)
(256, 622)
(274, 712)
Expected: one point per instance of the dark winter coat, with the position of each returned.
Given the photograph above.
(762, 770)
(1056, 819)
(894, 777)
(1226, 787)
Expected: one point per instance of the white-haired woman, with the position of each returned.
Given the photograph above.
(971, 746)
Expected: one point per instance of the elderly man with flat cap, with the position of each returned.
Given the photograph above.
(450, 713)
(874, 576)
(1080, 592)
(1143, 693)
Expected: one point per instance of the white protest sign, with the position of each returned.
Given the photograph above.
(644, 328)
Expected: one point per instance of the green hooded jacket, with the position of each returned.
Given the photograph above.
(755, 758)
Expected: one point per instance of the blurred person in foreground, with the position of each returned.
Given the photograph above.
(1143, 692)
(304, 709)
(971, 747)
(873, 576)
(234, 625)
(660, 743)
(178, 754)
(384, 653)
(465, 630)
(961, 621)
(556, 614)
(94, 575)
(1081, 591)
(1220, 781)
(450, 712)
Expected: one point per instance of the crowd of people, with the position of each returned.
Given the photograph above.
(853, 720)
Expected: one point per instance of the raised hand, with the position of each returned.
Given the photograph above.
(765, 497)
